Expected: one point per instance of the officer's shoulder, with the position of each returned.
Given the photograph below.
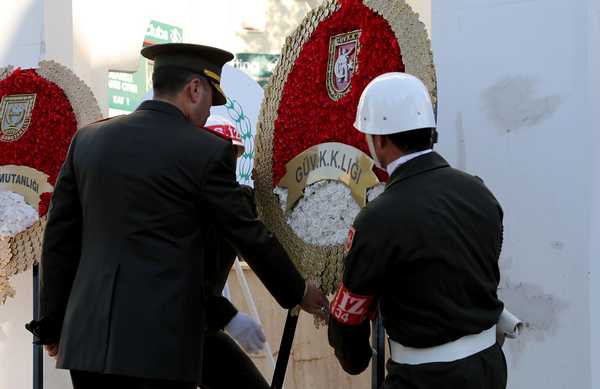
(98, 125)
(105, 122)
(372, 214)
(472, 178)
(214, 138)
(201, 135)
(192, 139)
(385, 201)
(466, 175)
(393, 204)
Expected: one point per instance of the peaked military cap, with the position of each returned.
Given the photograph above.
(203, 60)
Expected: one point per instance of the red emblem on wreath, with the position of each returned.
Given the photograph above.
(343, 63)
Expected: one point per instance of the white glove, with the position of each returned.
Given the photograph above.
(247, 332)
(509, 324)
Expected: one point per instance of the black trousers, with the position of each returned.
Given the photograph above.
(484, 370)
(87, 380)
(226, 366)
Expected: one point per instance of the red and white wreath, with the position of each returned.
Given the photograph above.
(40, 111)
(310, 104)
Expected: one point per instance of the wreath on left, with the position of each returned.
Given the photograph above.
(40, 111)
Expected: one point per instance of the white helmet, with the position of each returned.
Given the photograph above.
(394, 103)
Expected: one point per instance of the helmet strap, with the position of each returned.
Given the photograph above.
(371, 145)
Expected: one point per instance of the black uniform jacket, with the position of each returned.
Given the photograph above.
(123, 254)
(219, 310)
(220, 257)
(426, 250)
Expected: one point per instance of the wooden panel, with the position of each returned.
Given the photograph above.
(312, 363)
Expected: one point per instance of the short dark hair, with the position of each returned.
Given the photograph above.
(414, 140)
(170, 80)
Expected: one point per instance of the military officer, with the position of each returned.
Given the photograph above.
(122, 267)
(425, 252)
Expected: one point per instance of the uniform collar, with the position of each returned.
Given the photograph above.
(403, 159)
(161, 106)
(417, 165)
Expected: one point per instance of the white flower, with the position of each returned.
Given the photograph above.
(15, 214)
(325, 212)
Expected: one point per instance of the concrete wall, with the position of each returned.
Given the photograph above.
(58, 31)
(15, 344)
(16, 363)
(514, 81)
(593, 89)
(21, 41)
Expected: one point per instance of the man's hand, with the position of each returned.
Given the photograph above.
(314, 302)
(52, 350)
(247, 332)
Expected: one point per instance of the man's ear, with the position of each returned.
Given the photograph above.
(194, 89)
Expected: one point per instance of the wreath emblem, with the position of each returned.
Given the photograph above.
(15, 114)
(343, 63)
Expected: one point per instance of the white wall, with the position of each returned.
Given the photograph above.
(15, 343)
(22, 33)
(16, 356)
(58, 31)
(513, 79)
(592, 109)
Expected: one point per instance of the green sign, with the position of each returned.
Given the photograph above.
(126, 90)
(258, 66)
(158, 32)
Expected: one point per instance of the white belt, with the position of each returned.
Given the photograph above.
(448, 352)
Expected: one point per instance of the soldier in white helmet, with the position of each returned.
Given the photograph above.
(425, 252)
